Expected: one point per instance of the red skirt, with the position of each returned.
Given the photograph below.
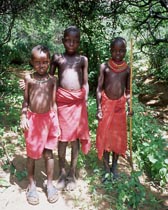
(73, 117)
(42, 134)
(112, 128)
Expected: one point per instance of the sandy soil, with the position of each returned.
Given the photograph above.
(13, 195)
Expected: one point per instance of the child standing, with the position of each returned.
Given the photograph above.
(112, 93)
(39, 122)
(71, 99)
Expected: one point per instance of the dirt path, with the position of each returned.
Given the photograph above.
(13, 195)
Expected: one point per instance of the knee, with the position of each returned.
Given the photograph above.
(47, 154)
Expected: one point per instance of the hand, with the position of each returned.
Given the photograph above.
(130, 113)
(22, 84)
(24, 123)
(99, 114)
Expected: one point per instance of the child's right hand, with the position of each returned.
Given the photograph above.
(22, 84)
(99, 114)
(24, 123)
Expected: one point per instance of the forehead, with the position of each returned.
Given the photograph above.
(38, 54)
(74, 34)
(118, 44)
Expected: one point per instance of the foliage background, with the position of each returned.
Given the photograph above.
(25, 23)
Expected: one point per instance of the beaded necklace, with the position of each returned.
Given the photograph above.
(43, 80)
(117, 67)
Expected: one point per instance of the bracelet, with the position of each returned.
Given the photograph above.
(99, 110)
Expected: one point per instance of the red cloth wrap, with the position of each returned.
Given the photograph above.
(43, 133)
(73, 118)
(112, 128)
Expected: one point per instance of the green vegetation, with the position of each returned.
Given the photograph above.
(25, 23)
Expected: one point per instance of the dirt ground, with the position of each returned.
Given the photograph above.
(13, 195)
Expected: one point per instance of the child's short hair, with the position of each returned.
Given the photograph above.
(118, 39)
(71, 28)
(40, 48)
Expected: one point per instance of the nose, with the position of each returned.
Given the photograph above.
(71, 43)
(117, 52)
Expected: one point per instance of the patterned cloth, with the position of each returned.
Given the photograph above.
(43, 133)
(73, 118)
(112, 128)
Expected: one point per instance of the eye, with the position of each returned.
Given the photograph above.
(37, 63)
(45, 63)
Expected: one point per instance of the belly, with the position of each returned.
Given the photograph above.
(71, 80)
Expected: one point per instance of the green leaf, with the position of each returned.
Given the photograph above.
(151, 158)
(4, 183)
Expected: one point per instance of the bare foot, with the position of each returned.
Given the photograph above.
(61, 183)
(71, 183)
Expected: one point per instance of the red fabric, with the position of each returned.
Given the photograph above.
(43, 133)
(112, 128)
(73, 118)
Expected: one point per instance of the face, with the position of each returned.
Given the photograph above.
(118, 50)
(40, 62)
(71, 42)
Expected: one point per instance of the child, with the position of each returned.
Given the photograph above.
(39, 121)
(71, 101)
(113, 91)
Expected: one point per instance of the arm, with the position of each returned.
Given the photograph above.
(53, 65)
(99, 91)
(85, 77)
(24, 121)
(54, 106)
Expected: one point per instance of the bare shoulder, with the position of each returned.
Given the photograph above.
(103, 66)
(56, 57)
(84, 60)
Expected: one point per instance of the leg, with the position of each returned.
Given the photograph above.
(61, 155)
(114, 165)
(71, 183)
(49, 164)
(31, 169)
(32, 196)
(106, 161)
(106, 175)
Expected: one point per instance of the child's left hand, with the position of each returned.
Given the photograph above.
(130, 113)
(24, 123)
(22, 84)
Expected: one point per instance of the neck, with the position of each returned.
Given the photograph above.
(40, 75)
(117, 62)
(70, 54)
